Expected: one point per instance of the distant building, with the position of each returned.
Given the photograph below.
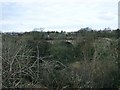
(38, 29)
(119, 14)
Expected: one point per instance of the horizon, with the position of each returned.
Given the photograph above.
(72, 31)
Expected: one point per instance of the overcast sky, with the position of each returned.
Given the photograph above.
(67, 15)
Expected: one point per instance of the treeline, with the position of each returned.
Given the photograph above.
(50, 35)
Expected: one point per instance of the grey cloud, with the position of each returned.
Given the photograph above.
(58, 13)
